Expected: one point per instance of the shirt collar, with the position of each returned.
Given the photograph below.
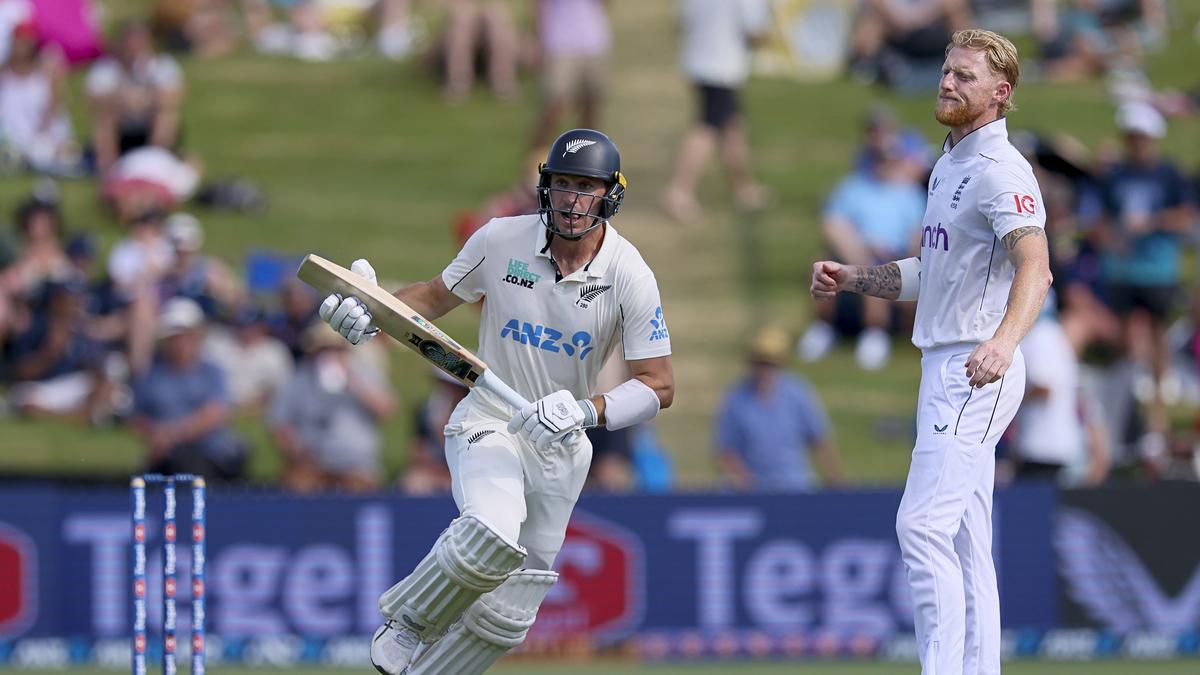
(977, 140)
(599, 263)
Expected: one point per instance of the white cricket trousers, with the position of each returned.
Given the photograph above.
(501, 479)
(945, 519)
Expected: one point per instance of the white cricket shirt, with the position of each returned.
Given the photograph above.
(979, 191)
(540, 335)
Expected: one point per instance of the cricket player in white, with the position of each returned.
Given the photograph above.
(979, 285)
(562, 289)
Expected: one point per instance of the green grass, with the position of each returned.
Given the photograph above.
(360, 157)
(778, 668)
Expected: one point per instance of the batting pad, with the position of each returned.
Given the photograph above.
(468, 560)
(496, 623)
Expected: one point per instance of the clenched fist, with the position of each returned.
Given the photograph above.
(828, 278)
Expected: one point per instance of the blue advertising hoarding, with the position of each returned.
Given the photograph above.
(819, 564)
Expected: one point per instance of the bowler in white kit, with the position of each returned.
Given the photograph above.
(562, 290)
(979, 284)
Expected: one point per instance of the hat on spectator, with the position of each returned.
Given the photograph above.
(184, 231)
(179, 315)
(770, 345)
(1141, 118)
(26, 29)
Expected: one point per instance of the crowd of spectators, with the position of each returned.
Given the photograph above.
(162, 338)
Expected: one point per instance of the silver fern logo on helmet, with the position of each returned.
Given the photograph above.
(575, 145)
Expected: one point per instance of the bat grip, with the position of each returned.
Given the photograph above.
(500, 388)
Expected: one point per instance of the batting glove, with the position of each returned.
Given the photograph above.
(551, 418)
(349, 316)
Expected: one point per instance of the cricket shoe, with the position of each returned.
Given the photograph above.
(394, 648)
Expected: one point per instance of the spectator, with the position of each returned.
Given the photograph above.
(255, 364)
(771, 422)
(883, 133)
(181, 406)
(427, 473)
(469, 22)
(205, 279)
(1060, 431)
(13, 13)
(203, 28)
(58, 367)
(325, 419)
(33, 114)
(898, 42)
(136, 96)
(1145, 213)
(298, 310)
(137, 265)
(104, 306)
(716, 59)
(872, 218)
(1074, 43)
(42, 258)
(573, 38)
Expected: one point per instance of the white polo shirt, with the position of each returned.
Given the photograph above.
(980, 190)
(540, 335)
(1049, 428)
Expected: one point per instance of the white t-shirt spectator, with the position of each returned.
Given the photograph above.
(12, 14)
(133, 263)
(136, 88)
(253, 371)
(1050, 428)
(716, 38)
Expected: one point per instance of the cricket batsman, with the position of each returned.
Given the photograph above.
(979, 285)
(563, 288)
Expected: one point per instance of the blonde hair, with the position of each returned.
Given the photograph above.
(1001, 56)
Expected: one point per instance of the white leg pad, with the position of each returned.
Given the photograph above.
(496, 623)
(468, 560)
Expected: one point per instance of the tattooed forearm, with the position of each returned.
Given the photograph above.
(1010, 240)
(881, 281)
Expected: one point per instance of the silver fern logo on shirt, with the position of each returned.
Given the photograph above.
(576, 144)
(589, 293)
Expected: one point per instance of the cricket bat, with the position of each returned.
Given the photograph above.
(403, 323)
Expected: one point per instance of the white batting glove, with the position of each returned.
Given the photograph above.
(349, 316)
(551, 418)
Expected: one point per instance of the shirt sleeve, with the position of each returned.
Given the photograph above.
(839, 201)
(644, 326)
(218, 391)
(462, 275)
(143, 398)
(1009, 198)
(815, 423)
(727, 434)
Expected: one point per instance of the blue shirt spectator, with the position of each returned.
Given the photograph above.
(181, 406)
(771, 422)
(1134, 192)
(885, 213)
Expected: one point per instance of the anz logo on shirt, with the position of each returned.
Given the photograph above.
(658, 326)
(547, 338)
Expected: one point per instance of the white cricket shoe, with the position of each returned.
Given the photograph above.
(393, 648)
(873, 350)
(816, 342)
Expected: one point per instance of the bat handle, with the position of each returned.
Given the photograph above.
(500, 388)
